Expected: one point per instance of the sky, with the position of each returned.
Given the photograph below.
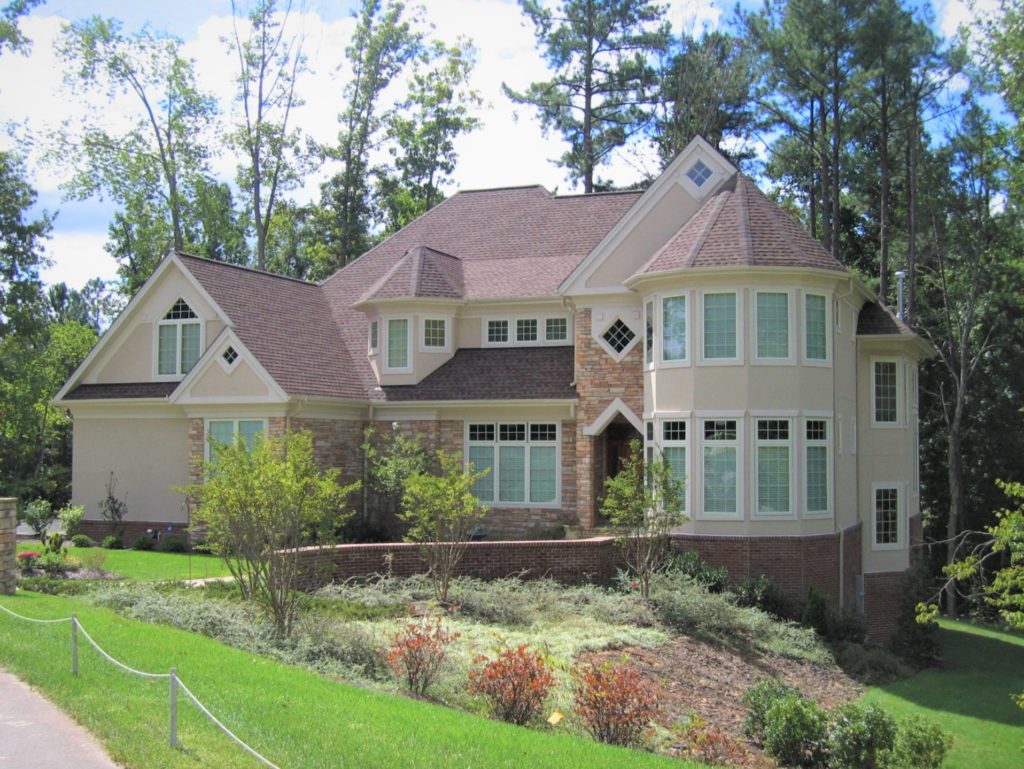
(508, 149)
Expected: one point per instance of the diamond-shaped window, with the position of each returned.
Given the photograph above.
(699, 173)
(618, 336)
(230, 355)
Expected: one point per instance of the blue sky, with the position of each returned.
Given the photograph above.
(509, 148)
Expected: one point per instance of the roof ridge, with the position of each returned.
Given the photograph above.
(444, 273)
(720, 199)
(602, 193)
(416, 255)
(245, 268)
(503, 189)
(746, 237)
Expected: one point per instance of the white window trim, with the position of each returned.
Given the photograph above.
(228, 367)
(740, 316)
(901, 515)
(638, 337)
(790, 444)
(371, 348)
(486, 321)
(828, 443)
(542, 329)
(791, 318)
(699, 192)
(514, 329)
(543, 320)
(234, 429)
(819, 362)
(179, 375)
(659, 331)
(385, 344)
(495, 474)
(649, 320)
(699, 512)
(900, 420)
(662, 442)
(447, 347)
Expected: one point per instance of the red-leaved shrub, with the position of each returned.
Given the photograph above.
(417, 652)
(515, 683)
(614, 702)
(28, 558)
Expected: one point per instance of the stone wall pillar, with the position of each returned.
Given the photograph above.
(8, 564)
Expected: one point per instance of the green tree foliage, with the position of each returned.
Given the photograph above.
(11, 36)
(644, 501)
(95, 305)
(21, 252)
(155, 169)
(600, 93)
(258, 504)
(442, 512)
(1004, 56)
(391, 458)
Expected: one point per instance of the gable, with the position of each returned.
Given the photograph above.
(228, 372)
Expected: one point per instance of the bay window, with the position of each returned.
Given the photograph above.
(720, 327)
(815, 329)
(398, 344)
(772, 319)
(774, 451)
(816, 467)
(721, 467)
(673, 328)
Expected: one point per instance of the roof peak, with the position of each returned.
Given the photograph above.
(243, 267)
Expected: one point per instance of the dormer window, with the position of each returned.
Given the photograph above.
(699, 173)
(179, 340)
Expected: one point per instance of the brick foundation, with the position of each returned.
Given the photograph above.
(851, 542)
(8, 561)
(97, 530)
(882, 592)
(568, 561)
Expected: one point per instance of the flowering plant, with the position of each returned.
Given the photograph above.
(28, 559)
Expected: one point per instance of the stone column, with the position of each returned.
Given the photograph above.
(8, 564)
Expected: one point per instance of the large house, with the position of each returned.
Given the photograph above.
(539, 335)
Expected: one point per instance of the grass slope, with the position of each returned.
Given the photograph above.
(969, 696)
(298, 719)
(143, 566)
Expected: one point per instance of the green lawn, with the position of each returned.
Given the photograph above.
(969, 696)
(143, 566)
(297, 718)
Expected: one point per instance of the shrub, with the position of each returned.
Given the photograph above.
(764, 593)
(54, 543)
(53, 563)
(794, 731)
(860, 737)
(816, 612)
(51, 586)
(170, 545)
(417, 653)
(82, 540)
(711, 745)
(112, 542)
(94, 559)
(758, 699)
(515, 684)
(70, 517)
(329, 645)
(870, 665)
(112, 508)
(713, 579)
(920, 744)
(615, 703)
(847, 626)
(917, 637)
(28, 559)
(145, 542)
(38, 514)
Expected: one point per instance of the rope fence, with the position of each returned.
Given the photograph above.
(174, 683)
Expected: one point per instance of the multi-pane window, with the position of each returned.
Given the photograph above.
(673, 449)
(556, 329)
(699, 173)
(719, 326)
(887, 516)
(772, 325)
(398, 343)
(885, 392)
(673, 328)
(497, 331)
(649, 332)
(434, 333)
(522, 459)
(526, 330)
(618, 336)
(226, 431)
(721, 467)
(374, 339)
(230, 355)
(815, 332)
(816, 466)
(179, 340)
(773, 467)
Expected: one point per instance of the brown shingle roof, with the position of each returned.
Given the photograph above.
(422, 272)
(739, 226)
(875, 319)
(287, 325)
(121, 390)
(517, 373)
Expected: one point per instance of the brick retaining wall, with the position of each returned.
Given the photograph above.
(97, 530)
(8, 563)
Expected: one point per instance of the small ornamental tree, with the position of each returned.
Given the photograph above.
(38, 514)
(614, 702)
(391, 458)
(259, 505)
(442, 511)
(515, 683)
(645, 503)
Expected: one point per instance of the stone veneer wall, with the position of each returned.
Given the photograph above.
(599, 381)
(8, 562)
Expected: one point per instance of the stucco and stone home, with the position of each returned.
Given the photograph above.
(539, 334)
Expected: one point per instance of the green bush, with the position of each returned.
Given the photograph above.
(53, 563)
(688, 562)
(764, 593)
(82, 540)
(920, 744)
(51, 586)
(860, 737)
(916, 642)
(816, 613)
(170, 545)
(758, 698)
(795, 730)
(871, 665)
(70, 517)
(145, 542)
(847, 626)
(38, 514)
(112, 542)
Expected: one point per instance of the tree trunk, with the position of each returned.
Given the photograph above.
(812, 184)
(883, 203)
(956, 495)
(911, 218)
(588, 105)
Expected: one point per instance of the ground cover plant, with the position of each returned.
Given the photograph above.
(136, 566)
(269, 704)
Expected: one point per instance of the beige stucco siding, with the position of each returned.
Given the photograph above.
(240, 382)
(149, 457)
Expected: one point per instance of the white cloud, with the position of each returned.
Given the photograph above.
(951, 15)
(77, 257)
